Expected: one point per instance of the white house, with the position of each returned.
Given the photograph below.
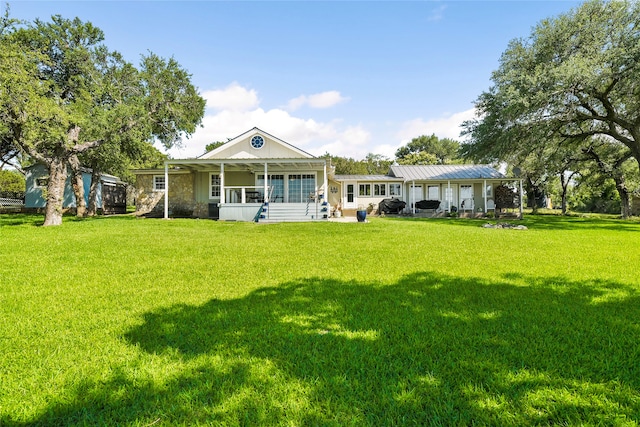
(229, 183)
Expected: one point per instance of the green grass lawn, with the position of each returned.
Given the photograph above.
(125, 321)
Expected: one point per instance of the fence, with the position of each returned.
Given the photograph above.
(11, 201)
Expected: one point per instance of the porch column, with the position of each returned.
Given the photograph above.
(166, 190)
(521, 195)
(223, 192)
(484, 195)
(449, 196)
(266, 183)
(325, 183)
(413, 197)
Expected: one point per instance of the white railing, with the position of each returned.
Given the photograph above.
(244, 194)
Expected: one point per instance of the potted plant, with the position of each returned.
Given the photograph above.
(337, 213)
(361, 213)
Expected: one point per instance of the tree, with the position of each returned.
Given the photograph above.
(377, 164)
(65, 94)
(612, 162)
(429, 150)
(575, 77)
(12, 181)
(212, 146)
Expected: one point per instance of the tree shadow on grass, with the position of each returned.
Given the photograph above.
(430, 349)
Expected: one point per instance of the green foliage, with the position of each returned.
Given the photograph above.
(372, 164)
(429, 150)
(11, 180)
(65, 94)
(213, 145)
(209, 333)
(595, 193)
(574, 77)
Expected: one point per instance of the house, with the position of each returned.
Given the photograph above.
(111, 192)
(459, 188)
(228, 183)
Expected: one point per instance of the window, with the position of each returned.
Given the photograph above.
(158, 183)
(365, 190)
(394, 190)
(433, 192)
(214, 186)
(42, 182)
(489, 190)
(465, 192)
(379, 189)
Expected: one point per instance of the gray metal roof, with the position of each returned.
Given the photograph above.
(366, 178)
(444, 172)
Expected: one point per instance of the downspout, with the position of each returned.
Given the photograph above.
(166, 190)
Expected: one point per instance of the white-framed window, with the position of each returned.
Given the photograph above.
(395, 189)
(433, 192)
(364, 190)
(214, 186)
(489, 190)
(466, 192)
(158, 183)
(379, 189)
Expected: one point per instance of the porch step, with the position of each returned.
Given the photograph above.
(293, 212)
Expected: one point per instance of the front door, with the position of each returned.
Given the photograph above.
(349, 196)
(450, 197)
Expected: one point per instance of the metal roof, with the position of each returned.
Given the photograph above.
(366, 178)
(444, 172)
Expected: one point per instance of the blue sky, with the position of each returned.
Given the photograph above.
(348, 78)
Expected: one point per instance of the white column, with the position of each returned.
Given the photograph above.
(223, 192)
(166, 190)
(325, 184)
(412, 198)
(449, 196)
(484, 195)
(266, 183)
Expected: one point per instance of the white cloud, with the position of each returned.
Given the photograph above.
(437, 14)
(319, 100)
(443, 127)
(238, 110)
(233, 97)
(235, 109)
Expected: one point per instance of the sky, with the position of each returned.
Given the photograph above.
(347, 78)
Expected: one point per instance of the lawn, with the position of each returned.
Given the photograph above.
(125, 321)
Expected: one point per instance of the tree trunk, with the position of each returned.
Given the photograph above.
(563, 185)
(55, 192)
(78, 186)
(93, 193)
(625, 200)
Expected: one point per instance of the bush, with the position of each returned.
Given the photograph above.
(13, 181)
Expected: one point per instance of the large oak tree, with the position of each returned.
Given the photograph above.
(64, 93)
(576, 77)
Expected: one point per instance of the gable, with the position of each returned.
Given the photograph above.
(256, 144)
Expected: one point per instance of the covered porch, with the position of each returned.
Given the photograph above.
(245, 189)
